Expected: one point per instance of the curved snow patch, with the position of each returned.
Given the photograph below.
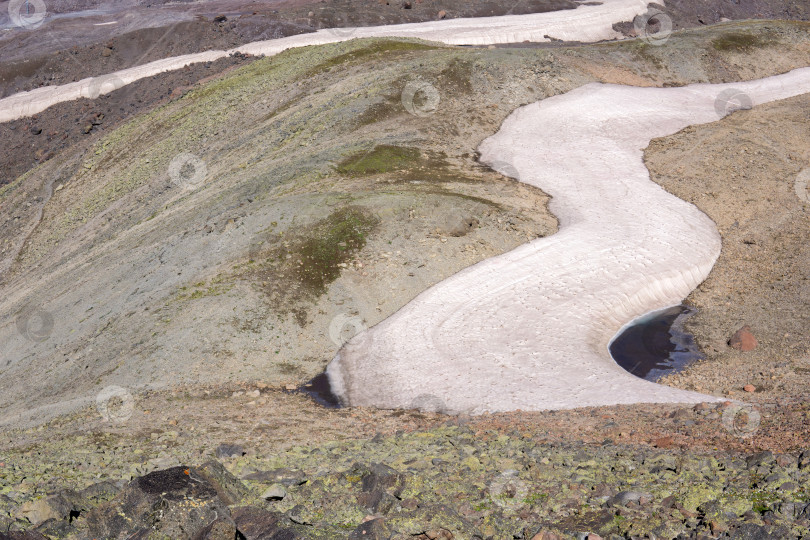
(530, 329)
(587, 23)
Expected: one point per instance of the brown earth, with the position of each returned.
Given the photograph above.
(745, 173)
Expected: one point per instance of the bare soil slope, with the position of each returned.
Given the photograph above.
(749, 174)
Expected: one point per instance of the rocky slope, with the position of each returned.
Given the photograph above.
(221, 313)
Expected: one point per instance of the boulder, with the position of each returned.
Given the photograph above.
(743, 340)
(254, 523)
(176, 503)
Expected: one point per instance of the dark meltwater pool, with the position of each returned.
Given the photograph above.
(656, 344)
(320, 391)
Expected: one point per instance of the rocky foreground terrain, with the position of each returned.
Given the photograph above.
(137, 427)
(449, 482)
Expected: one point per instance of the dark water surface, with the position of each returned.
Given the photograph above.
(320, 391)
(656, 344)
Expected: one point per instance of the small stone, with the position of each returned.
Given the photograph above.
(743, 340)
(624, 497)
(229, 450)
(286, 477)
(254, 393)
(749, 388)
(442, 14)
(220, 19)
(276, 492)
(44, 509)
(311, 14)
(664, 442)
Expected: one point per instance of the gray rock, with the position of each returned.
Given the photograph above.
(804, 459)
(752, 531)
(228, 487)
(55, 528)
(276, 492)
(57, 507)
(255, 523)
(229, 450)
(286, 477)
(174, 503)
(624, 497)
(101, 492)
(374, 529)
(761, 461)
(222, 528)
(382, 477)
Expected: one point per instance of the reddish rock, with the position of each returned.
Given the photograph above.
(749, 388)
(743, 340)
(664, 442)
(442, 14)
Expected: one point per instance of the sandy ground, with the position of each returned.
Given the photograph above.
(748, 178)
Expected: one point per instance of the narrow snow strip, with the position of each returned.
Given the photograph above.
(530, 329)
(586, 23)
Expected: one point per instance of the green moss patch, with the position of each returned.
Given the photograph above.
(374, 48)
(301, 268)
(741, 42)
(331, 242)
(381, 159)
